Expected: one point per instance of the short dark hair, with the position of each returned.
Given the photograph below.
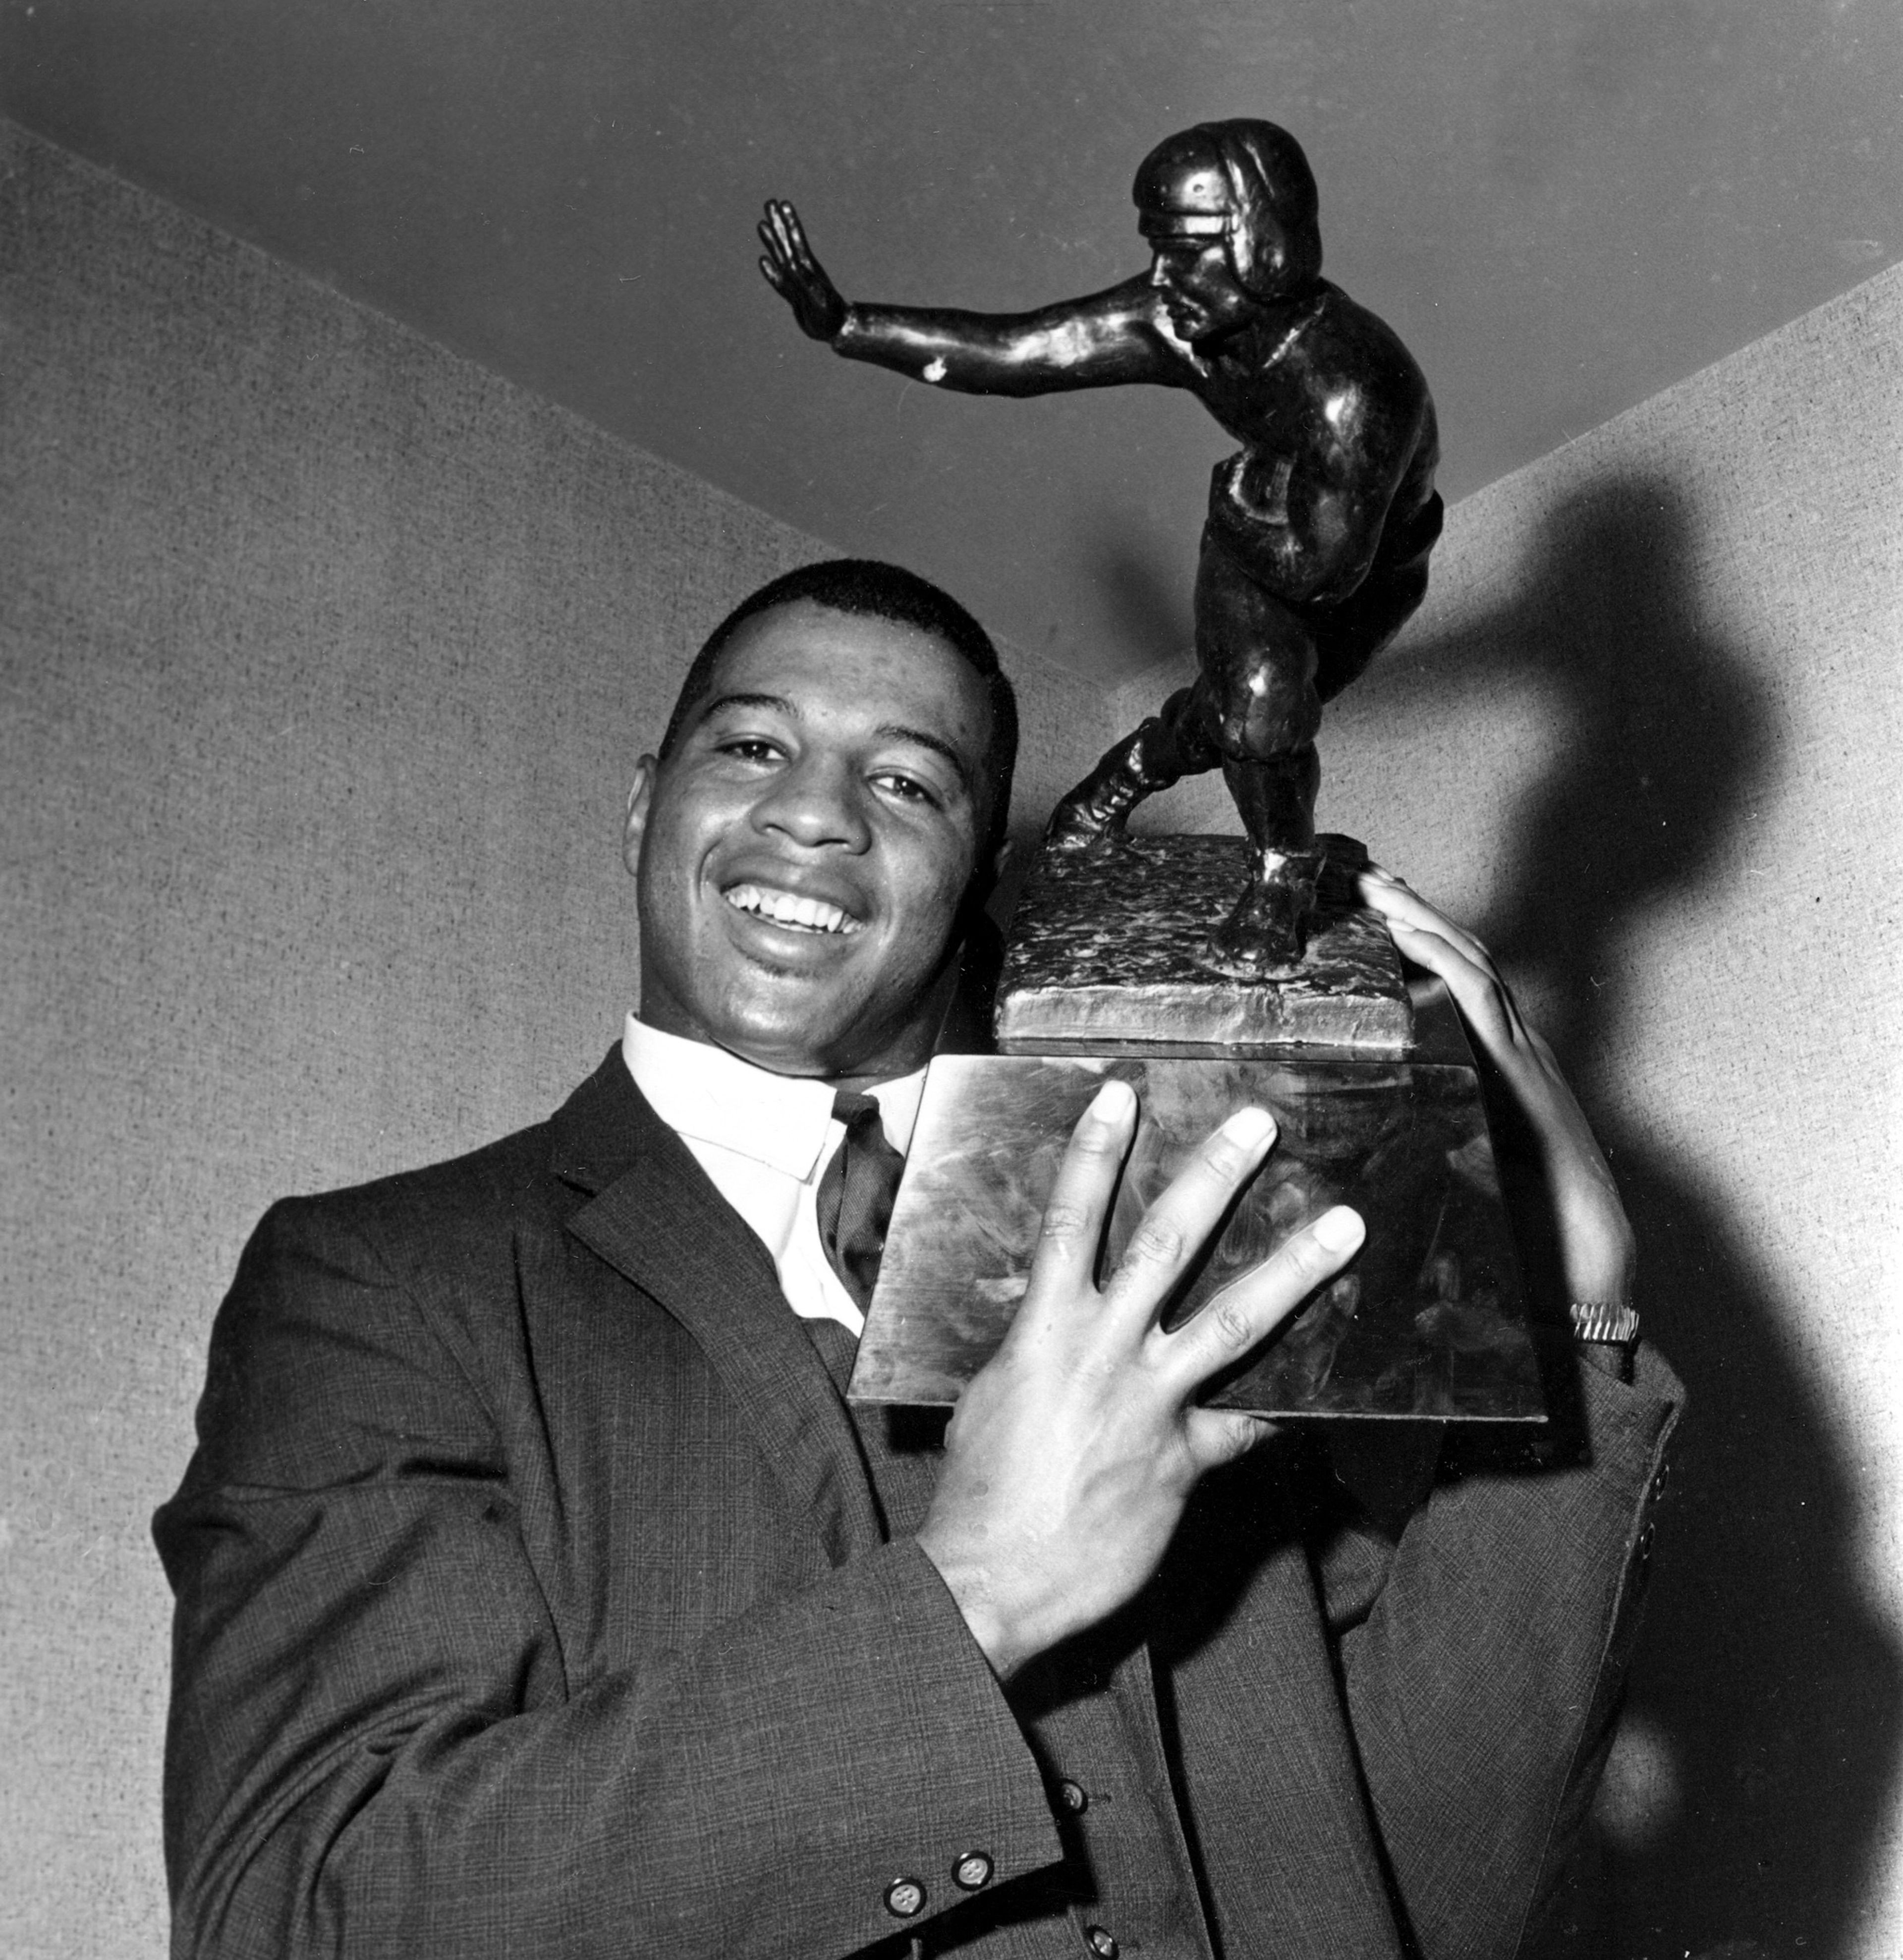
(871, 589)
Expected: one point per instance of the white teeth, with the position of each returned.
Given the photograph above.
(788, 909)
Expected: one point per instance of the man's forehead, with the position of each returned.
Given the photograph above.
(888, 671)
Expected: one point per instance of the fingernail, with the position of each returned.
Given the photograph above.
(1248, 1127)
(1335, 1231)
(1112, 1102)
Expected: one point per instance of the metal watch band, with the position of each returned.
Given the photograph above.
(1601, 1321)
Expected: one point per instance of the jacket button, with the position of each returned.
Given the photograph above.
(905, 1899)
(1073, 1797)
(971, 1872)
(1101, 1943)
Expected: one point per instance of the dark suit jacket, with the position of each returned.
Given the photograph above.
(535, 1599)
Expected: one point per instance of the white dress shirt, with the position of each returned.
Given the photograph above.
(765, 1141)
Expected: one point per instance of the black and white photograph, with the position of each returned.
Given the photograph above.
(948, 946)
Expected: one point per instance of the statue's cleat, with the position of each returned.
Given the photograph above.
(1249, 951)
(1263, 938)
(1079, 824)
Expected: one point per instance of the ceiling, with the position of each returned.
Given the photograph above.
(1562, 205)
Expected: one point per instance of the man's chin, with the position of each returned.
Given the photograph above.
(790, 1032)
(802, 1057)
(834, 1009)
(843, 1040)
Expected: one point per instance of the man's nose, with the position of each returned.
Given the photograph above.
(817, 802)
(1159, 270)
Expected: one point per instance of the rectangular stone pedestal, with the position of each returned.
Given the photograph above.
(1106, 957)
(1428, 1321)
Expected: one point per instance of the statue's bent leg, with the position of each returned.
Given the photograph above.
(1350, 635)
(1175, 742)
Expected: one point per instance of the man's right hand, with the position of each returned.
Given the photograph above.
(796, 275)
(1075, 1449)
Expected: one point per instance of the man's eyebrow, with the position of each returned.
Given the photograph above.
(936, 743)
(777, 703)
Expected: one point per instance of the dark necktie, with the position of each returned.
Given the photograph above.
(855, 1194)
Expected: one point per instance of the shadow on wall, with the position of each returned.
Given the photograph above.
(1154, 617)
(1746, 1800)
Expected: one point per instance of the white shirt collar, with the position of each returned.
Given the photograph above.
(783, 1121)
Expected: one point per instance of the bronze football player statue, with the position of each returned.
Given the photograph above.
(1314, 551)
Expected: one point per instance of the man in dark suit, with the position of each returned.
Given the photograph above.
(538, 1593)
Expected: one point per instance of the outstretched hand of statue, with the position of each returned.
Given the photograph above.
(796, 275)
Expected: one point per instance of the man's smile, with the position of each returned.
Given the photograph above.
(791, 910)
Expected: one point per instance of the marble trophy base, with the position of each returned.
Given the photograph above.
(1108, 955)
(1375, 1095)
(1428, 1322)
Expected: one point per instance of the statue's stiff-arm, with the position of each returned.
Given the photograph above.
(1103, 341)
(1305, 520)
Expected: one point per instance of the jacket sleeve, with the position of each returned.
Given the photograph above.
(1484, 1652)
(373, 1749)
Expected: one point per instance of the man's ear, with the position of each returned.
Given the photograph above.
(640, 803)
(1001, 862)
(979, 892)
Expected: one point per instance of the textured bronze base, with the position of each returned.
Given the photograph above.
(1108, 953)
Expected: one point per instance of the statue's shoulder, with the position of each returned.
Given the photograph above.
(1355, 345)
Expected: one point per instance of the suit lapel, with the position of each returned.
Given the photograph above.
(656, 1218)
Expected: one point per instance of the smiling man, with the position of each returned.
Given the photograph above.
(538, 1593)
(826, 807)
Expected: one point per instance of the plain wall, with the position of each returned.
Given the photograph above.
(326, 657)
(1644, 736)
(1561, 206)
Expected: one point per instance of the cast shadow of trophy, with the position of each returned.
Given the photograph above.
(1315, 550)
(1749, 1801)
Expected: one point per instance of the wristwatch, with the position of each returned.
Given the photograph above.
(1602, 1322)
(1614, 1329)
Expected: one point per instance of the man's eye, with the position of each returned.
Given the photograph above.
(908, 789)
(749, 748)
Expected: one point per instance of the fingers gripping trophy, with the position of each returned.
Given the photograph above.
(1315, 550)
